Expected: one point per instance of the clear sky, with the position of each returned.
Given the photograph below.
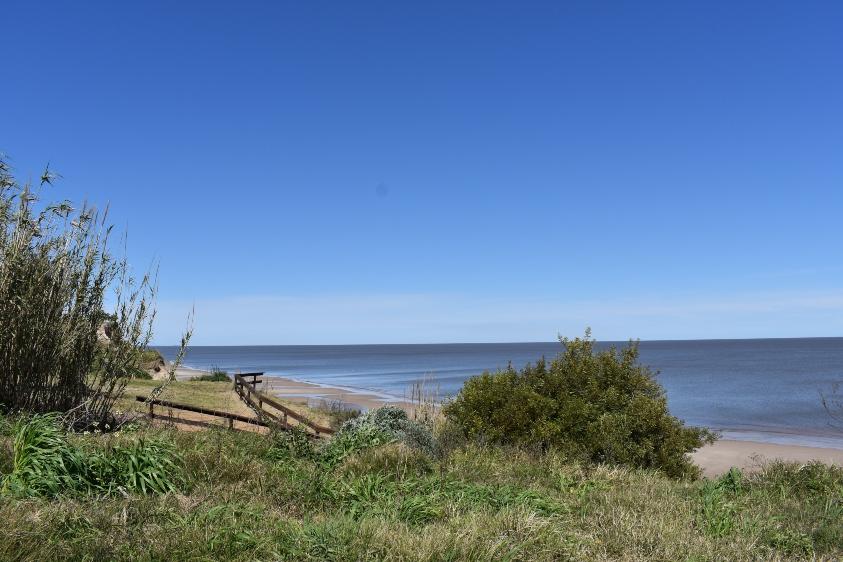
(365, 172)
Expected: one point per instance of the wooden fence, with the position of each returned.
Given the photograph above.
(197, 410)
(246, 385)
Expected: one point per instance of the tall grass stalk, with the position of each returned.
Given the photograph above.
(56, 275)
(425, 400)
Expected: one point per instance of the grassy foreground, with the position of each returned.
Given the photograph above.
(242, 496)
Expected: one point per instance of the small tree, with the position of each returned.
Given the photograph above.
(597, 406)
(56, 274)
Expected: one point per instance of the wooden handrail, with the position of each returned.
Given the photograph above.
(263, 398)
(200, 410)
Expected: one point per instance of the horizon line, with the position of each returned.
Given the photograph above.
(640, 340)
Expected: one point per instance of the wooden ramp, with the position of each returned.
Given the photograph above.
(268, 407)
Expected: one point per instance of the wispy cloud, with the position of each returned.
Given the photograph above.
(396, 318)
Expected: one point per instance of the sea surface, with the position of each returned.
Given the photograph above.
(761, 389)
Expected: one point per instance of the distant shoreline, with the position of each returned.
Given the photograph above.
(713, 459)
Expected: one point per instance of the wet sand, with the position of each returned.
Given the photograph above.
(315, 393)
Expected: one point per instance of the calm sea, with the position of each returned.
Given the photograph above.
(767, 389)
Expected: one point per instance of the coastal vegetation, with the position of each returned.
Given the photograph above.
(601, 407)
(56, 272)
(249, 496)
(214, 375)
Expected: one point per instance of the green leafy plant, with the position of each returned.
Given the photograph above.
(292, 443)
(599, 406)
(46, 463)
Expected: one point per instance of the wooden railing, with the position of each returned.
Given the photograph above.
(197, 410)
(245, 384)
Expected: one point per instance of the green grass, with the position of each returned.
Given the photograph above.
(237, 499)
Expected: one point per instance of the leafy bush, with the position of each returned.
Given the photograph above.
(56, 272)
(600, 406)
(45, 463)
(717, 512)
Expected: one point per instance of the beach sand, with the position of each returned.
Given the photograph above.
(748, 455)
(714, 459)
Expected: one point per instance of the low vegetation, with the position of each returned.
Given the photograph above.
(337, 412)
(47, 463)
(215, 375)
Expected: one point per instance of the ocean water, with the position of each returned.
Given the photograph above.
(761, 389)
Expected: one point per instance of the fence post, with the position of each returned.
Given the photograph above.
(151, 410)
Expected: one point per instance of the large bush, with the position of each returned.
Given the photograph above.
(599, 406)
(56, 275)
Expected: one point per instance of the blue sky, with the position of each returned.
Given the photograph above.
(315, 172)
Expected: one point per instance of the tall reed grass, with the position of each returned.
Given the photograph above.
(57, 274)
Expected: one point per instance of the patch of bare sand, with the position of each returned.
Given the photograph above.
(749, 455)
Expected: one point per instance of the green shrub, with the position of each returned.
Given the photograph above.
(145, 466)
(44, 463)
(381, 426)
(717, 513)
(600, 406)
(345, 443)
